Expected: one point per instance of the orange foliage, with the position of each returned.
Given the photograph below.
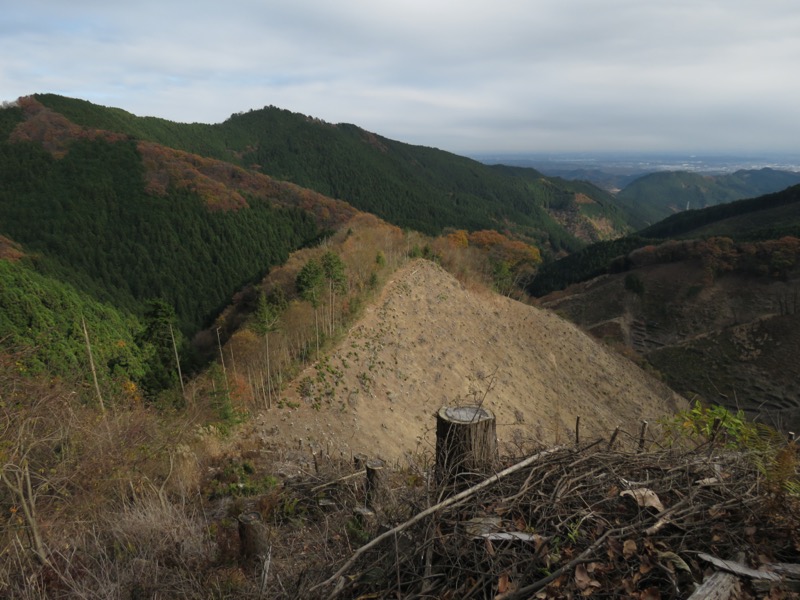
(10, 250)
(502, 248)
(459, 238)
(52, 130)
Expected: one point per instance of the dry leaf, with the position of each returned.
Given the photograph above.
(645, 497)
(584, 581)
(674, 562)
(629, 549)
(502, 583)
(651, 593)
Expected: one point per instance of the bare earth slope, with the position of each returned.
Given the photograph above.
(429, 342)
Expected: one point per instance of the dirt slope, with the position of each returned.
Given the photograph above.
(429, 342)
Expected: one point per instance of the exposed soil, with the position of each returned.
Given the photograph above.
(428, 342)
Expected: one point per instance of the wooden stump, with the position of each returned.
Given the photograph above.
(359, 461)
(466, 443)
(253, 537)
(377, 488)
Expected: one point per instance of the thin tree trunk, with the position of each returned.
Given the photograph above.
(316, 328)
(269, 374)
(222, 360)
(91, 364)
(177, 359)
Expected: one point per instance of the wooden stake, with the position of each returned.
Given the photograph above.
(642, 433)
(613, 438)
(577, 431)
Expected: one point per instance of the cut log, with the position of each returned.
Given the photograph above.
(720, 586)
(466, 444)
(253, 537)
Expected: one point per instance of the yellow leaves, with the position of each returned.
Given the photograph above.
(458, 238)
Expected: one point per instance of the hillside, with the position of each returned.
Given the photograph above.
(411, 186)
(427, 342)
(720, 321)
(129, 221)
(764, 218)
(656, 196)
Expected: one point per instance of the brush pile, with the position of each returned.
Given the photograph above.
(585, 522)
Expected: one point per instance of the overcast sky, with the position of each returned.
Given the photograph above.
(466, 76)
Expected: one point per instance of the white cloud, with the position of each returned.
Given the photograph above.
(464, 75)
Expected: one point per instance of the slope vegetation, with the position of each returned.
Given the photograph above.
(428, 341)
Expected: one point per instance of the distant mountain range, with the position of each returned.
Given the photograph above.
(653, 187)
(658, 195)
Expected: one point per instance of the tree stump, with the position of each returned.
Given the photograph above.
(377, 488)
(466, 443)
(359, 461)
(253, 537)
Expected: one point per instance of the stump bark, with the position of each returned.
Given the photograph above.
(377, 487)
(360, 461)
(466, 444)
(253, 537)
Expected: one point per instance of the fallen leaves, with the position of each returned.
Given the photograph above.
(584, 581)
(644, 497)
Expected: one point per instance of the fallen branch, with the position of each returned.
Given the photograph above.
(453, 500)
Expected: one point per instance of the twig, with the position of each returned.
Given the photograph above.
(335, 481)
(525, 592)
(453, 500)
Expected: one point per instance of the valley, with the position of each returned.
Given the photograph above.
(213, 332)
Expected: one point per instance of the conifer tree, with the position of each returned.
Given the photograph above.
(310, 285)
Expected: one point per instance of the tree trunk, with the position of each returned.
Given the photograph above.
(360, 461)
(253, 537)
(377, 488)
(91, 364)
(466, 444)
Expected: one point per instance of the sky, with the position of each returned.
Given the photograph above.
(506, 76)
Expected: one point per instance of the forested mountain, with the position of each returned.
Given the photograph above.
(121, 234)
(411, 186)
(658, 195)
(755, 219)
